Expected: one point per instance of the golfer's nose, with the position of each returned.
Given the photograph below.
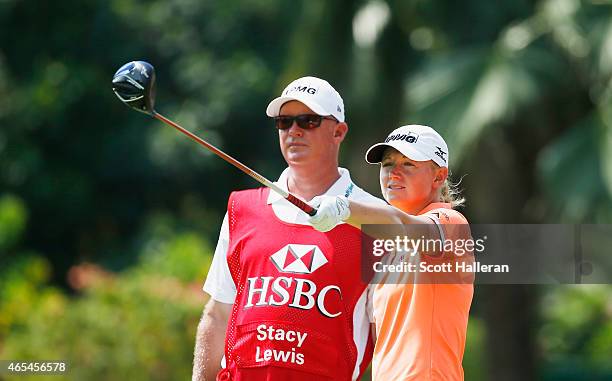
(295, 130)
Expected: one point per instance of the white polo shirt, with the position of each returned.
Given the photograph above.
(219, 283)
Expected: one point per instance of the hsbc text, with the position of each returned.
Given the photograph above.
(296, 292)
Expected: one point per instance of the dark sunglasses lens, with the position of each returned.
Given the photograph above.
(308, 121)
(305, 121)
(283, 122)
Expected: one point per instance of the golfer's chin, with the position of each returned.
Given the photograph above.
(298, 155)
(397, 198)
(395, 195)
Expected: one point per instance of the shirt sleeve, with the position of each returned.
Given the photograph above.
(436, 219)
(370, 303)
(451, 223)
(219, 282)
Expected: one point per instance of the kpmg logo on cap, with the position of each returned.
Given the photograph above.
(298, 259)
(302, 89)
(440, 153)
(410, 137)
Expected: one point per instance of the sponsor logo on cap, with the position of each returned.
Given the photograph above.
(302, 89)
(440, 153)
(409, 137)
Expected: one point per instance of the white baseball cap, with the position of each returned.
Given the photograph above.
(316, 93)
(416, 142)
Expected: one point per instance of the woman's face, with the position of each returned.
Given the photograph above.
(407, 184)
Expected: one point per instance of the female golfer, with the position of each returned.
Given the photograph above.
(420, 325)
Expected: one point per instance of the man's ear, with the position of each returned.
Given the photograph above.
(340, 130)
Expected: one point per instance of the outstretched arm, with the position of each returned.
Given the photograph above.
(377, 214)
(332, 210)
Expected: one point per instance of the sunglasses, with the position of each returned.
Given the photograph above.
(305, 121)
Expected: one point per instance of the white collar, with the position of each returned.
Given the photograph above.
(340, 187)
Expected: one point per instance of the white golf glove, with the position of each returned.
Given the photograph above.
(331, 210)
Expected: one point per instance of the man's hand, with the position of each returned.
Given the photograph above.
(331, 210)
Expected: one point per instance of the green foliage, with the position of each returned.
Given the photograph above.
(575, 334)
(138, 324)
(600, 347)
(571, 172)
(23, 291)
(140, 328)
(474, 356)
(184, 254)
(13, 219)
(576, 325)
(520, 90)
(186, 257)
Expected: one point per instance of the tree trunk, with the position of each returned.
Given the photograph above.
(496, 191)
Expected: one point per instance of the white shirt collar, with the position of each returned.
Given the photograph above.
(340, 187)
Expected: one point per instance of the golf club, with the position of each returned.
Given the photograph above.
(134, 85)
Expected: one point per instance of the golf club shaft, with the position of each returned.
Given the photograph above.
(265, 182)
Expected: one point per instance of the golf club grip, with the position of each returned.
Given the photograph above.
(301, 204)
(262, 180)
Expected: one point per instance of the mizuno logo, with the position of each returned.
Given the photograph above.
(298, 259)
(440, 153)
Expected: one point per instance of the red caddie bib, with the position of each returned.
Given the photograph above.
(299, 312)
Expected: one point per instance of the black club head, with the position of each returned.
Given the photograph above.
(134, 85)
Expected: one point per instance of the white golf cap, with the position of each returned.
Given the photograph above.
(316, 93)
(416, 142)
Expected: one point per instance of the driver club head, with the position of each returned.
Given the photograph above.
(134, 85)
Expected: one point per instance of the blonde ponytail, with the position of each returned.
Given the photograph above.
(450, 193)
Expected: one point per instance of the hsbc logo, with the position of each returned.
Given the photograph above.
(298, 259)
(291, 291)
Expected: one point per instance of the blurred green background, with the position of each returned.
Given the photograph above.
(108, 219)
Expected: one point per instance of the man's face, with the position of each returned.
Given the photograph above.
(318, 145)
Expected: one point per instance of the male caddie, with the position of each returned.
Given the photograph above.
(286, 301)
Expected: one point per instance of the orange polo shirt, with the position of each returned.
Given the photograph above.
(421, 328)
